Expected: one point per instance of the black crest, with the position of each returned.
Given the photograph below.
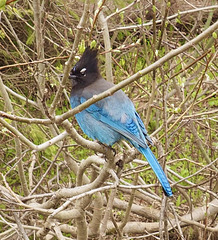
(89, 61)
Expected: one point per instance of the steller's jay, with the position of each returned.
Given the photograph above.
(110, 119)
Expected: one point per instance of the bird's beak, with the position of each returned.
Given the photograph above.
(72, 77)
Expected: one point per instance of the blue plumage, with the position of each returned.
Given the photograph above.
(113, 118)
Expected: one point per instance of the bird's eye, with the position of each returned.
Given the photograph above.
(73, 70)
(82, 71)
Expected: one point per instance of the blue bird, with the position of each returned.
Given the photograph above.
(113, 118)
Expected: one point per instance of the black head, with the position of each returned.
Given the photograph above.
(86, 69)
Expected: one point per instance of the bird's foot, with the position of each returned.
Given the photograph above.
(109, 147)
(119, 163)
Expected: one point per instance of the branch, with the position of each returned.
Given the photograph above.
(31, 145)
(168, 18)
(122, 9)
(139, 74)
(192, 184)
(198, 214)
(33, 62)
(107, 43)
(18, 148)
(69, 63)
(24, 119)
(39, 37)
(21, 97)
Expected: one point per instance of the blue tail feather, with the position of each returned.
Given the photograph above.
(157, 169)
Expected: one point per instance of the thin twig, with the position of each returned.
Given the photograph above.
(168, 18)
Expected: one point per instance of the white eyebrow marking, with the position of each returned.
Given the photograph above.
(83, 70)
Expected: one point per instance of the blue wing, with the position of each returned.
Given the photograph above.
(122, 122)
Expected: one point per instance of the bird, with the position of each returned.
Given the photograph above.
(113, 118)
